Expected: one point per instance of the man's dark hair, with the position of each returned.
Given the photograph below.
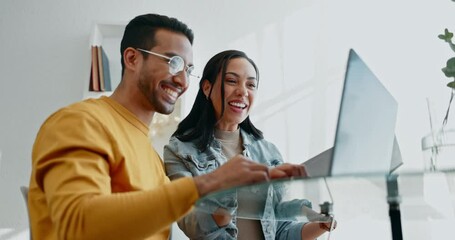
(140, 32)
(200, 122)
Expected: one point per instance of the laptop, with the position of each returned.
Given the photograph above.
(365, 139)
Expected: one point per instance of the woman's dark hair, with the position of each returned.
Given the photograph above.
(200, 122)
(140, 32)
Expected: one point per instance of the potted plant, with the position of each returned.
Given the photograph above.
(440, 140)
(449, 71)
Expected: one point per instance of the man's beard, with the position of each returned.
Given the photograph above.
(157, 105)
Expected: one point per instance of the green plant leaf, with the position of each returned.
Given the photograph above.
(447, 33)
(449, 69)
(447, 36)
(451, 84)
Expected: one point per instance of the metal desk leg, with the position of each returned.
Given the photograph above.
(394, 200)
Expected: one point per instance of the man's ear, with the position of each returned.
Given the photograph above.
(206, 86)
(130, 58)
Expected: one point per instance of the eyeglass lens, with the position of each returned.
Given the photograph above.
(177, 64)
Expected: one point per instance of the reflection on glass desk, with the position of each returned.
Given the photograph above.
(360, 203)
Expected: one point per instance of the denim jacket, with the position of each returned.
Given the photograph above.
(184, 159)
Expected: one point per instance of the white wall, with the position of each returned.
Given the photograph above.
(45, 59)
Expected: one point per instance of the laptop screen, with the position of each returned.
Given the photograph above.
(366, 123)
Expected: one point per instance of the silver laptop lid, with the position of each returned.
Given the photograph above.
(366, 123)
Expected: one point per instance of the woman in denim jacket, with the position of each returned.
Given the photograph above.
(218, 129)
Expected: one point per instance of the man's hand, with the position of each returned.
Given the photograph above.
(287, 170)
(238, 171)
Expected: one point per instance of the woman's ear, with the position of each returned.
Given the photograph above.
(206, 86)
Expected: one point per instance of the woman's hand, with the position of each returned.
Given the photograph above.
(313, 230)
(328, 225)
(221, 217)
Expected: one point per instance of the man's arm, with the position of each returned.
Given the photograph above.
(73, 167)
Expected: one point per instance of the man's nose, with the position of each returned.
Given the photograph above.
(182, 79)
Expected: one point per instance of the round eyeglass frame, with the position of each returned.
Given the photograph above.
(176, 63)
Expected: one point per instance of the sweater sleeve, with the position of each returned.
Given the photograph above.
(74, 174)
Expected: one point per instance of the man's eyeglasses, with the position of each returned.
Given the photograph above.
(176, 63)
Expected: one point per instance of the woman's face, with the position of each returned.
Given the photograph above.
(240, 87)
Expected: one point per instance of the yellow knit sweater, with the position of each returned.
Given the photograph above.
(95, 175)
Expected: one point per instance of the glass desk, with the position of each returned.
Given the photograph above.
(421, 204)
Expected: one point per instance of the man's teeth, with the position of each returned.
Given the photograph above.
(170, 92)
(239, 105)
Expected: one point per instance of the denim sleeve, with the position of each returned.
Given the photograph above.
(173, 163)
(289, 230)
(286, 210)
(199, 223)
(290, 210)
(196, 224)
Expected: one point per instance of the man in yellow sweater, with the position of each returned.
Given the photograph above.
(95, 174)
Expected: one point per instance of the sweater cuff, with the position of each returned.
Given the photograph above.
(183, 195)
